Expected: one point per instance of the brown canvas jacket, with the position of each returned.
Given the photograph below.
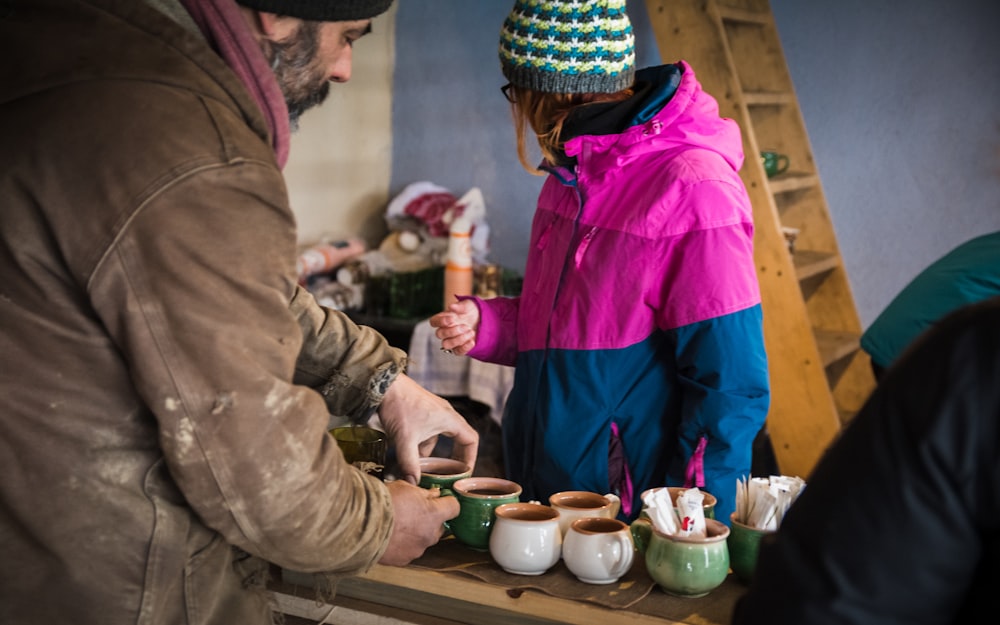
(156, 355)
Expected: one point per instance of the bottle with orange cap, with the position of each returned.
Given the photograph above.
(458, 264)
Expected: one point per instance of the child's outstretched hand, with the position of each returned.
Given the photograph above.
(457, 326)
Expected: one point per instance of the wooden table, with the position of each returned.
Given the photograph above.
(403, 595)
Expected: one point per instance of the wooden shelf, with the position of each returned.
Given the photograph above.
(834, 345)
(786, 183)
(745, 16)
(769, 98)
(846, 416)
(809, 263)
(819, 375)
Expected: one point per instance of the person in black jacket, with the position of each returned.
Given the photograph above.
(899, 522)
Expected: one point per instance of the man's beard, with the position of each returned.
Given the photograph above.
(300, 75)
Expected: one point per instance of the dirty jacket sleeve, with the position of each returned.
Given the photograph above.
(198, 292)
(350, 365)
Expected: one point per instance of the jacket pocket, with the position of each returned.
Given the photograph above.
(694, 472)
(619, 475)
(168, 548)
(223, 584)
(193, 576)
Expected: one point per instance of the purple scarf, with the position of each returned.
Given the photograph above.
(223, 25)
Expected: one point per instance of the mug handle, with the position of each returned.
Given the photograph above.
(625, 553)
(616, 503)
(642, 532)
(447, 492)
(448, 531)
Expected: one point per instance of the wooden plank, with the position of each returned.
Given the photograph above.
(834, 345)
(810, 263)
(420, 596)
(757, 11)
(527, 605)
(791, 182)
(852, 389)
(347, 611)
(769, 98)
(748, 16)
(803, 419)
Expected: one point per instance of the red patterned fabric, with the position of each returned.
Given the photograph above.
(430, 209)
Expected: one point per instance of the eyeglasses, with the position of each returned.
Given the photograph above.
(505, 90)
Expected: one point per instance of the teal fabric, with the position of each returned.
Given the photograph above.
(968, 274)
(663, 395)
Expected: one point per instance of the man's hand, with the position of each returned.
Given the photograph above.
(419, 515)
(413, 418)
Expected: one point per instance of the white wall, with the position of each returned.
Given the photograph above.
(339, 169)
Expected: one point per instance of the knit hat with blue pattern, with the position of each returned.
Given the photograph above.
(572, 46)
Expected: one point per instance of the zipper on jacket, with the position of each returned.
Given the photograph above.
(584, 244)
(694, 473)
(565, 266)
(624, 487)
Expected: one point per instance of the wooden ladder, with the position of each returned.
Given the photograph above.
(819, 375)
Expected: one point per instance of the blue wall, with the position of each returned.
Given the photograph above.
(902, 103)
(451, 124)
(900, 97)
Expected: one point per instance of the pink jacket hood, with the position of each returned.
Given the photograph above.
(688, 120)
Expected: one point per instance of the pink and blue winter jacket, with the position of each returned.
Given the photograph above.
(637, 335)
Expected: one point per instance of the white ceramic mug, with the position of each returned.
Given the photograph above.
(578, 504)
(526, 539)
(598, 550)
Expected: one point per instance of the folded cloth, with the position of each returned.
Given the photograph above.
(457, 376)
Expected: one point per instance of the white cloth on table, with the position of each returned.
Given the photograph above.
(457, 376)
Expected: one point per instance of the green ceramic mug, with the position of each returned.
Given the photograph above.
(684, 566)
(744, 544)
(774, 162)
(478, 498)
(442, 473)
(707, 503)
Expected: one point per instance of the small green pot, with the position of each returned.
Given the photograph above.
(684, 566)
(744, 544)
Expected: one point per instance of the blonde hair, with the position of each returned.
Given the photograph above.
(545, 114)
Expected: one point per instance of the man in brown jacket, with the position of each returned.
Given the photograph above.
(165, 387)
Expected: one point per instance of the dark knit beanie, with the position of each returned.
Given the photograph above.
(571, 46)
(321, 10)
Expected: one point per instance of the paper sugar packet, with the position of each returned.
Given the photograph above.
(691, 513)
(661, 511)
(762, 502)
